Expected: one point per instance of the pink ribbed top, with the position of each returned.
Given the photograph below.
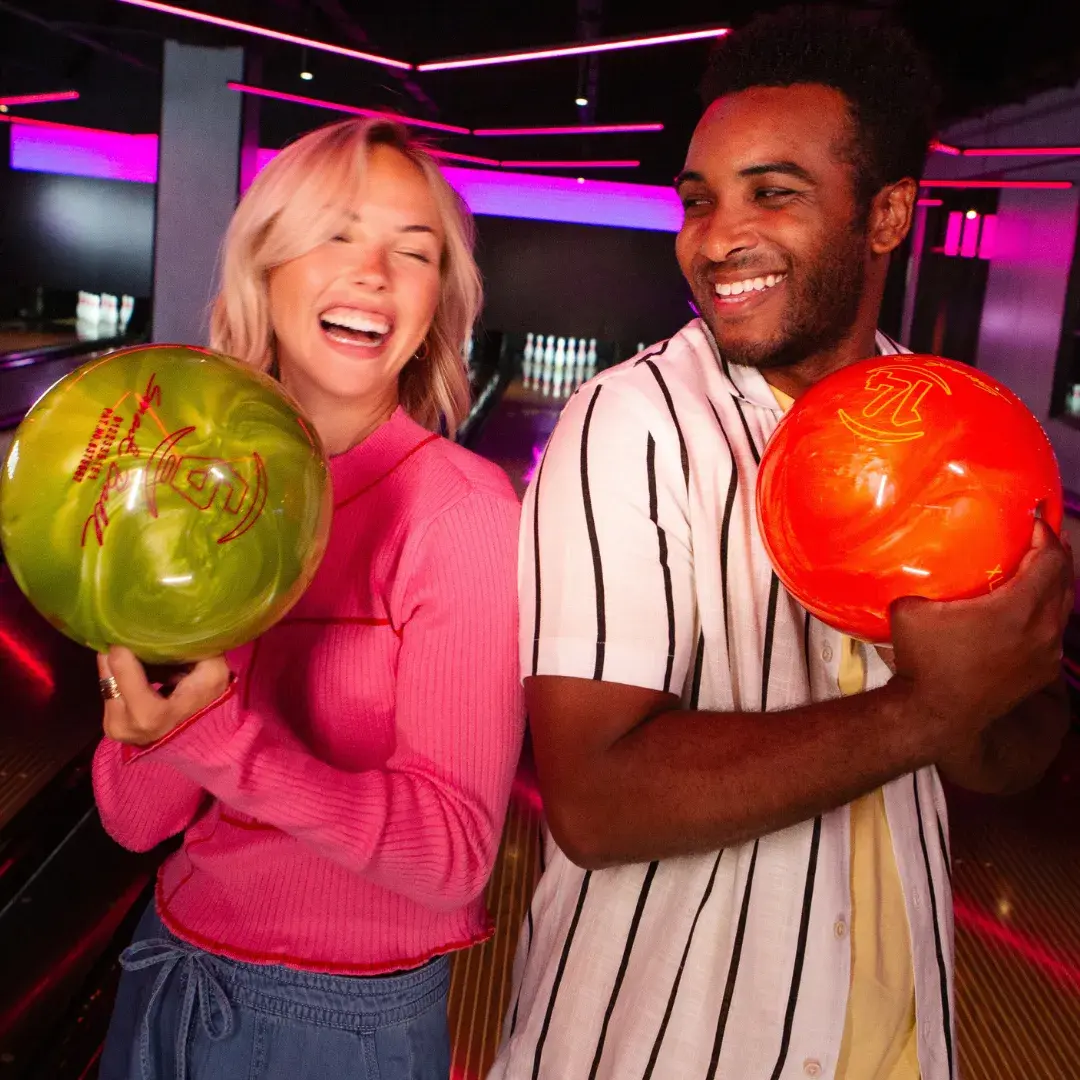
(342, 804)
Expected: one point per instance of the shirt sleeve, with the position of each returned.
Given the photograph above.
(605, 566)
(141, 804)
(427, 824)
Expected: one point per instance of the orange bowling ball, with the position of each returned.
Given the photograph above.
(902, 476)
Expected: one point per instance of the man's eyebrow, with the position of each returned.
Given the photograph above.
(686, 176)
(785, 168)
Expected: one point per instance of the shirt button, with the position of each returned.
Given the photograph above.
(916, 896)
(826, 653)
(840, 928)
(812, 1067)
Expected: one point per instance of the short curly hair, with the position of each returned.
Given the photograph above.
(886, 79)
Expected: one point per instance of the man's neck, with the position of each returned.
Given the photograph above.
(795, 379)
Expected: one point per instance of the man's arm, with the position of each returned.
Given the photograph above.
(627, 776)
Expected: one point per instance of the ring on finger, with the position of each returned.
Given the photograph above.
(109, 688)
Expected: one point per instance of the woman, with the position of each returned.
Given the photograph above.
(341, 782)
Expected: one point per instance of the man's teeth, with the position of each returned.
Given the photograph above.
(358, 321)
(757, 284)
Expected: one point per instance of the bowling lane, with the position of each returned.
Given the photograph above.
(515, 434)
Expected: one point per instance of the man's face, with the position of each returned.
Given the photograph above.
(772, 243)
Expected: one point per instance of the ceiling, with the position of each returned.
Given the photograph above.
(111, 54)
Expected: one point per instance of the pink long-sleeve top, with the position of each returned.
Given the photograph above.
(342, 803)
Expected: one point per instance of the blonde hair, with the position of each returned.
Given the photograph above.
(294, 205)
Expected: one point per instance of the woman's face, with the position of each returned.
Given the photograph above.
(349, 314)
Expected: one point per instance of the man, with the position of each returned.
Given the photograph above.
(747, 874)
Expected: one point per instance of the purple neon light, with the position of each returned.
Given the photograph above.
(74, 151)
(612, 164)
(353, 110)
(936, 146)
(1022, 151)
(89, 152)
(263, 31)
(575, 129)
(988, 236)
(929, 202)
(1037, 185)
(969, 237)
(39, 99)
(638, 41)
(448, 155)
(953, 229)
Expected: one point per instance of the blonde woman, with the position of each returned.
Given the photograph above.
(341, 782)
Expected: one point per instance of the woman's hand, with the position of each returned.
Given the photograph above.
(141, 715)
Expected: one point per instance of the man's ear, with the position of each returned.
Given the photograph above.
(891, 215)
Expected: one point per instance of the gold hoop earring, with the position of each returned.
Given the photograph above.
(423, 352)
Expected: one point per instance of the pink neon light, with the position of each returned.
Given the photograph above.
(354, 110)
(40, 99)
(969, 237)
(607, 45)
(449, 156)
(985, 926)
(262, 31)
(30, 663)
(1021, 151)
(30, 121)
(988, 236)
(929, 202)
(576, 129)
(570, 164)
(952, 233)
(944, 148)
(1043, 185)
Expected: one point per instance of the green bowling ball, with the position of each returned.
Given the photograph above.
(165, 498)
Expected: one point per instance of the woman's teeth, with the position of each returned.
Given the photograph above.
(757, 284)
(349, 327)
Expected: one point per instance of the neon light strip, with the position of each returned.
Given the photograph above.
(571, 164)
(333, 106)
(578, 129)
(89, 152)
(936, 146)
(929, 202)
(31, 121)
(1022, 151)
(1043, 185)
(953, 229)
(40, 99)
(262, 31)
(563, 198)
(605, 45)
(988, 236)
(449, 156)
(969, 237)
(38, 146)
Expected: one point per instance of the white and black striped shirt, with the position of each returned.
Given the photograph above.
(641, 563)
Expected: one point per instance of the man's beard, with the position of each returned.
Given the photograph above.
(823, 308)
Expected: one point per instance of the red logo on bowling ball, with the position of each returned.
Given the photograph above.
(207, 483)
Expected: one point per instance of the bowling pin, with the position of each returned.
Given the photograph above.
(590, 363)
(527, 362)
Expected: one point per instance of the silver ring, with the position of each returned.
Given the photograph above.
(109, 688)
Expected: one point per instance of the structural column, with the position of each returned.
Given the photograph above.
(199, 173)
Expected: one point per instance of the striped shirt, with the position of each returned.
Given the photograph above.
(641, 563)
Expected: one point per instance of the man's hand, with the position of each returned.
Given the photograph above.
(142, 715)
(967, 663)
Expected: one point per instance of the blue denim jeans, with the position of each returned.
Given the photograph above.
(185, 1014)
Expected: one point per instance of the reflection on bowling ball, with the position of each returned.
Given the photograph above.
(902, 476)
(164, 498)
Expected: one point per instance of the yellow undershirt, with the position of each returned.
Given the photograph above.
(880, 1039)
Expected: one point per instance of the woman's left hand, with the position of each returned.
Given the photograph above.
(142, 715)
